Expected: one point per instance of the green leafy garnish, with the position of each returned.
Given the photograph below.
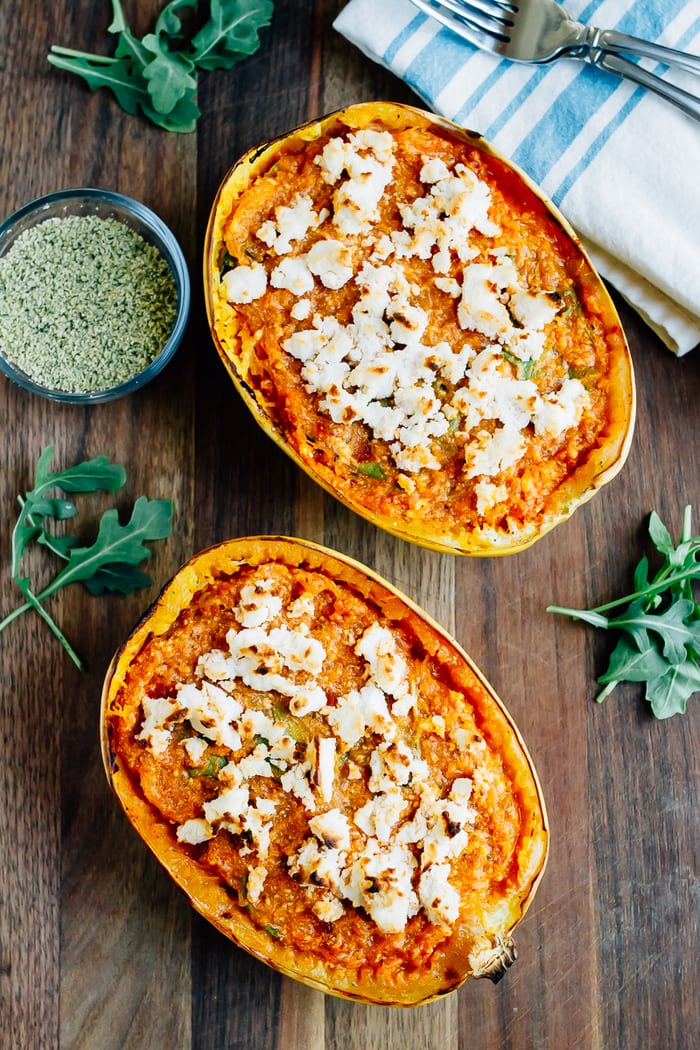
(659, 625)
(571, 301)
(110, 562)
(372, 470)
(274, 932)
(157, 74)
(526, 369)
(210, 768)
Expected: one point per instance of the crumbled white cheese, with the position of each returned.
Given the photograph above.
(387, 665)
(195, 746)
(449, 285)
(301, 310)
(316, 865)
(295, 781)
(243, 284)
(328, 908)
(359, 710)
(493, 393)
(332, 829)
(255, 883)
(381, 882)
(229, 806)
(382, 813)
(257, 603)
(438, 897)
(325, 771)
(434, 169)
(194, 831)
(291, 223)
(491, 454)
(392, 762)
(302, 607)
(293, 273)
(307, 699)
(329, 261)
(360, 167)
(261, 658)
(211, 712)
(533, 311)
(481, 307)
(489, 495)
(255, 764)
(456, 204)
(157, 710)
(563, 409)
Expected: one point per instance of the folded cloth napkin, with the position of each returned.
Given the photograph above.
(621, 164)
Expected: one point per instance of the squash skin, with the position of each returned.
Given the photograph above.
(207, 895)
(599, 467)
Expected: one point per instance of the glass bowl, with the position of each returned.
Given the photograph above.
(105, 205)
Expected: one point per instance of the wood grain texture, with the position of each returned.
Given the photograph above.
(98, 951)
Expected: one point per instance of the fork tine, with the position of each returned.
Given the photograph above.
(491, 17)
(471, 22)
(502, 10)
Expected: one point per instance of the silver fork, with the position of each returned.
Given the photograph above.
(541, 31)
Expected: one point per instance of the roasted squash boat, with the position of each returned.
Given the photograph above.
(416, 325)
(325, 773)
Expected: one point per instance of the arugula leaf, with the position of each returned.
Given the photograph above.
(169, 23)
(117, 74)
(110, 562)
(231, 32)
(120, 577)
(92, 475)
(157, 74)
(182, 117)
(61, 509)
(659, 625)
(170, 77)
(630, 664)
(150, 520)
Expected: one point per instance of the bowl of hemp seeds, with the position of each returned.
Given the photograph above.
(94, 295)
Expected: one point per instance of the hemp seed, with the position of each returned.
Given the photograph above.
(85, 303)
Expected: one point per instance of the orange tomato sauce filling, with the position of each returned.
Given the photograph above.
(512, 391)
(434, 716)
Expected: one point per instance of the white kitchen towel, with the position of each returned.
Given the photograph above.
(622, 165)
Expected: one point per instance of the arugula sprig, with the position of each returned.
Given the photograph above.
(659, 625)
(110, 563)
(157, 74)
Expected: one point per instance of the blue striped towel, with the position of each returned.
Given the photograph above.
(622, 164)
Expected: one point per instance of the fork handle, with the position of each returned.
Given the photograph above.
(622, 44)
(616, 64)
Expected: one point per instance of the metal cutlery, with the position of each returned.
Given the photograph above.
(541, 31)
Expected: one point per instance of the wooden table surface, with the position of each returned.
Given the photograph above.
(98, 950)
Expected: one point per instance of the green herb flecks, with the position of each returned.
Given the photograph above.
(110, 562)
(659, 624)
(526, 369)
(157, 74)
(372, 470)
(274, 932)
(85, 303)
(211, 767)
(571, 302)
